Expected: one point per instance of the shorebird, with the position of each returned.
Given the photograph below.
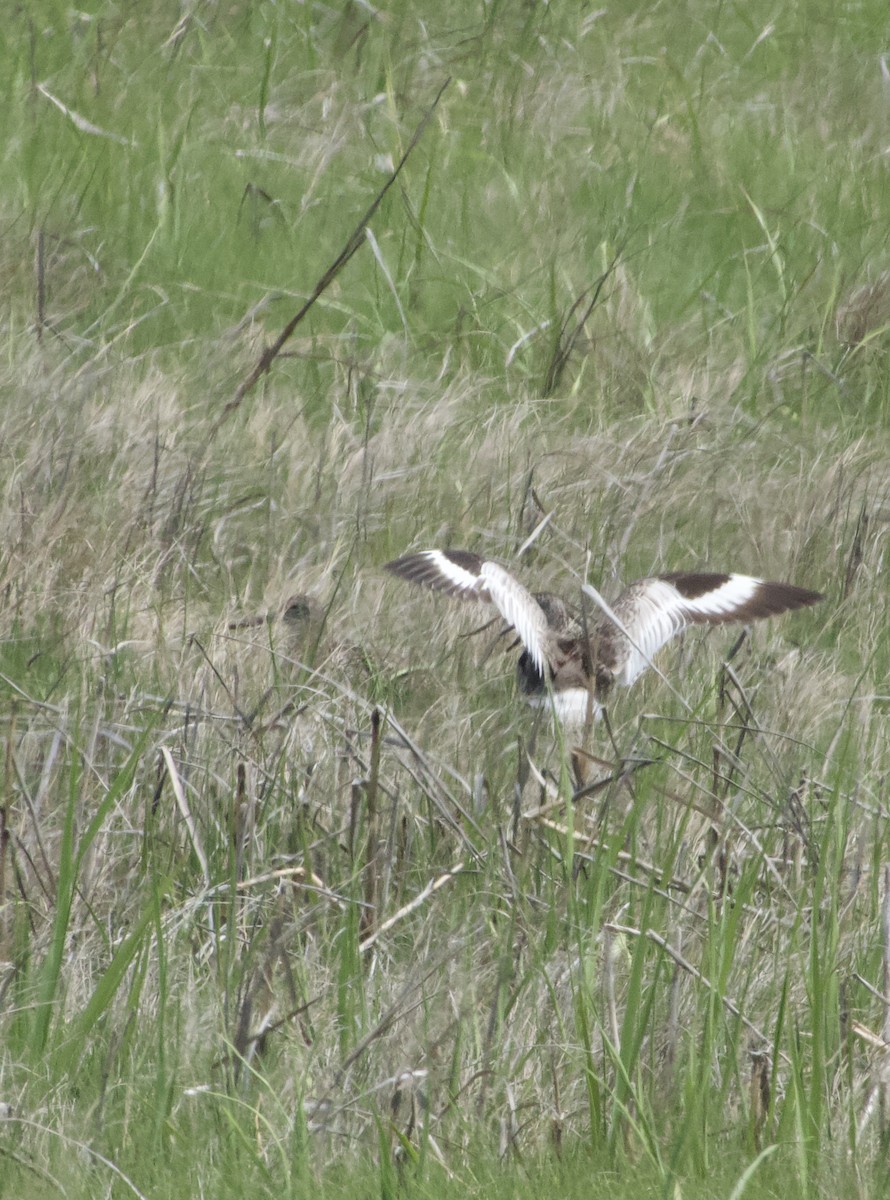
(299, 613)
(570, 663)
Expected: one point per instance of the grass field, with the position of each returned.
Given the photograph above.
(294, 897)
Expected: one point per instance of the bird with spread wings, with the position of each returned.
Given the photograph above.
(571, 664)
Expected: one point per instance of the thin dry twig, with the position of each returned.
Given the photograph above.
(608, 960)
(729, 1004)
(371, 790)
(566, 341)
(875, 1100)
(883, 1073)
(355, 240)
(80, 123)
(435, 789)
(183, 805)
(40, 282)
(885, 948)
(420, 898)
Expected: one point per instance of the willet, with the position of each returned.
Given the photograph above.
(571, 663)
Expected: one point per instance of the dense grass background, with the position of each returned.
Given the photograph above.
(303, 901)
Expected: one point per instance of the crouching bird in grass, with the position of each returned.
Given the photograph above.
(569, 663)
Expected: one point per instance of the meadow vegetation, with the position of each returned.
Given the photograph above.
(294, 895)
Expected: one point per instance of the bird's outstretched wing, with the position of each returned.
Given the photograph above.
(468, 576)
(652, 611)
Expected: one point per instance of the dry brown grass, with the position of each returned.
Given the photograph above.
(426, 929)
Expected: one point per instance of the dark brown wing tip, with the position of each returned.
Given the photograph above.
(768, 598)
(780, 597)
(409, 564)
(402, 566)
(423, 570)
(772, 598)
(416, 568)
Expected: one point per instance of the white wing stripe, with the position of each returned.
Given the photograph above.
(466, 576)
(655, 624)
(519, 608)
(732, 595)
(659, 611)
(459, 576)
